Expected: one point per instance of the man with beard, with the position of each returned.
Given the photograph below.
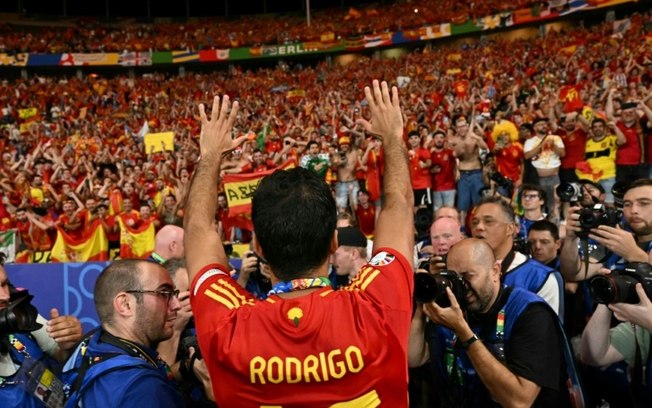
(600, 155)
(117, 363)
(47, 339)
(506, 351)
(443, 172)
(626, 246)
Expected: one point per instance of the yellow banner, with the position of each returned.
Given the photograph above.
(157, 142)
(25, 127)
(16, 60)
(296, 93)
(27, 113)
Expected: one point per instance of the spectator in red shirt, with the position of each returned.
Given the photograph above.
(443, 172)
(630, 157)
(419, 158)
(573, 134)
(365, 213)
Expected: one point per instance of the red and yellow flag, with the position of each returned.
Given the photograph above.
(136, 242)
(92, 246)
(570, 95)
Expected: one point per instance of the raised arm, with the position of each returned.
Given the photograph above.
(395, 226)
(201, 240)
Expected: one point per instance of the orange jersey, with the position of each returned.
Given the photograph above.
(328, 347)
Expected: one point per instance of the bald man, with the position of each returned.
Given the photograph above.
(168, 244)
(507, 351)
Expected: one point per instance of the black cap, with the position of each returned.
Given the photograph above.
(527, 126)
(351, 236)
(594, 184)
(537, 120)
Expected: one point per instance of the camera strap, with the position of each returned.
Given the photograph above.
(638, 382)
(507, 262)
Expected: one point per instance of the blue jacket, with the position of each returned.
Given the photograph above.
(454, 368)
(116, 374)
(11, 394)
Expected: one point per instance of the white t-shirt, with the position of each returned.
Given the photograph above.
(547, 158)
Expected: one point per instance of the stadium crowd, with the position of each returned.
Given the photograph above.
(488, 138)
(88, 35)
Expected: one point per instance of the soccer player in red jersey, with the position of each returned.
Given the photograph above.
(306, 345)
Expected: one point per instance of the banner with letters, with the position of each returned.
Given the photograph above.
(239, 188)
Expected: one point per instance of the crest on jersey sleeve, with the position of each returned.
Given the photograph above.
(382, 259)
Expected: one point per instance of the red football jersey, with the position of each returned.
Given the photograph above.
(345, 347)
(420, 176)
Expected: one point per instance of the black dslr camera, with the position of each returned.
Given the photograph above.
(20, 316)
(596, 215)
(620, 286)
(428, 288)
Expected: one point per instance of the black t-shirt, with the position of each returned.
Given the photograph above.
(534, 353)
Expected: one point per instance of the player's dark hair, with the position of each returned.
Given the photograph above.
(294, 217)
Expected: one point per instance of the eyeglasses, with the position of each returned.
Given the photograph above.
(530, 196)
(166, 293)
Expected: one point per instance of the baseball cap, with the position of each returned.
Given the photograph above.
(351, 236)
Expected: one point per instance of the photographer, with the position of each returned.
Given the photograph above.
(625, 246)
(629, 342)
(494, 345)
(33, 340)
(493, 221)
(444, 233)
(253, 275)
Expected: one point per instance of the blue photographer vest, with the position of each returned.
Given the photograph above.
(531, 275)
(11, 395)
(97, 356)
(453, 369)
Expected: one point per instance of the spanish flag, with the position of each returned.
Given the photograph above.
(93, 245)
(136, 242)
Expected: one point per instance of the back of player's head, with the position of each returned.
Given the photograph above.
(294, 216)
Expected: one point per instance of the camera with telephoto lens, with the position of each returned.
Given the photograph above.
(20, 316)
(569, 192)
(620, 286)
(429, 288)
(596, 215)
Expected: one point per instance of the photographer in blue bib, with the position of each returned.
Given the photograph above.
(494, 345)
(31, 348)
(620, 285)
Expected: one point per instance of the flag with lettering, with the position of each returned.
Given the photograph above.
(570, 95)
(239, 188)
(8, 245)
(92, 246)
(136, 241)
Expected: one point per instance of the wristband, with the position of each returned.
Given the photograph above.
(466, 344)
